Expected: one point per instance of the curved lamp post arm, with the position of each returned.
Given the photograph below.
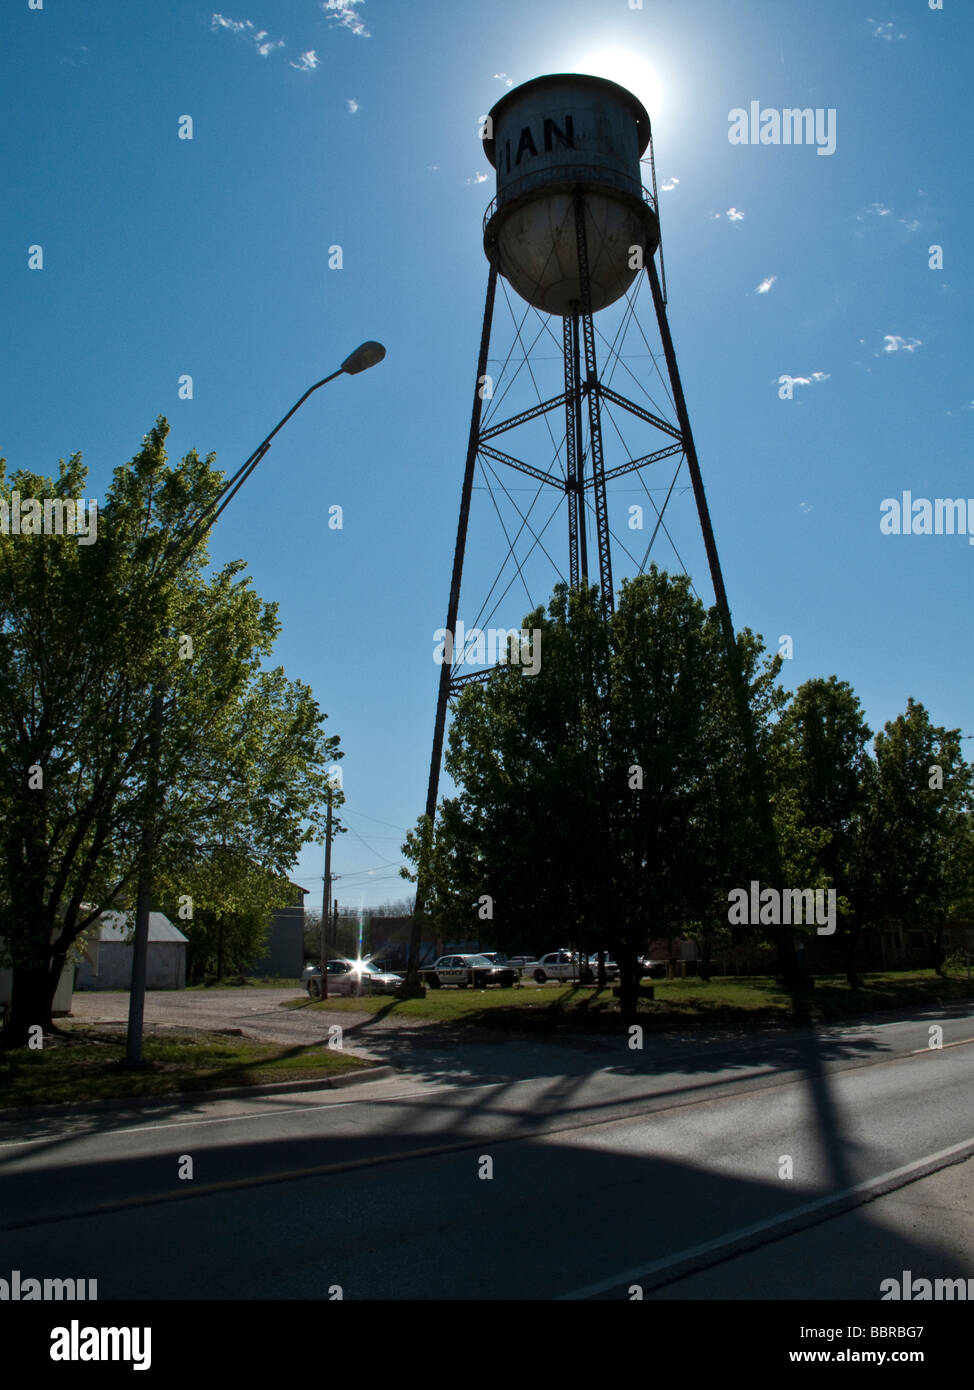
(366, 355)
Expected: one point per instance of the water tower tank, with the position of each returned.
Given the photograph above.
(549, 139)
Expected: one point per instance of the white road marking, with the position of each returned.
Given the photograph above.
(756, 1228)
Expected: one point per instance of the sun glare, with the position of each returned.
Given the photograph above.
(629, 70)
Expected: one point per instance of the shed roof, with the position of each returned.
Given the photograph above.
(119, 926)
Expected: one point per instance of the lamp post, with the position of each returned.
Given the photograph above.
(367, 355)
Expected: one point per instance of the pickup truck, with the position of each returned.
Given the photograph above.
(468, 970)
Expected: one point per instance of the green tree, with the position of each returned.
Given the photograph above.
(604, 799)
(820, 759)
(224, 904)
(89, 634)
(913, 860)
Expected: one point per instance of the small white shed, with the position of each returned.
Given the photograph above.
(109, 961)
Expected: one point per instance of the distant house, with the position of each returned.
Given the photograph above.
(283, 956)
(108, 963)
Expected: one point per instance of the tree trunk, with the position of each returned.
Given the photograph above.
(792, 975)
(851, 964)
(33, 994)
(938, 951)
(628, 987)
(705, 952)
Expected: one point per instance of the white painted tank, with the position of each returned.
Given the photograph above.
(547, 139)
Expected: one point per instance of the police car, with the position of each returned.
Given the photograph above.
(468, 970)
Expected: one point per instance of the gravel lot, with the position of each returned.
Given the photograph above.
(257, 1012)
(430, 1050)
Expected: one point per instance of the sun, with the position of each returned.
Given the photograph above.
(629, 70)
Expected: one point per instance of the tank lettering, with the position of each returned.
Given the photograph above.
(566, 136)
(526, 142)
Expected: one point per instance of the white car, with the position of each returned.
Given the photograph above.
(350, 977)
(562, 965)
(474, 970)
(611, 967)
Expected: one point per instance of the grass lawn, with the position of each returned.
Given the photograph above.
(744, 1000)
(85, 1063)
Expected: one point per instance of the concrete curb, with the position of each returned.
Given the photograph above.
(350, 1078)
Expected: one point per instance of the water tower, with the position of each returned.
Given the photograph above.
(572, 229)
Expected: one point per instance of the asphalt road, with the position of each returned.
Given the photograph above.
(609, 1167)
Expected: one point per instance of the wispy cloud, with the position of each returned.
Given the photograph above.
(735, 215)
(894, 343)
(236, 26)
(873, 210)
(79, 62)
(478, 178)
(352, 105)
(669, 185)
(307, 62)
(503, 77)
(344, 14)
(265, 45)
(245, 29)
(887, 31)
(805, 506)
(765, 285)
(813, 380)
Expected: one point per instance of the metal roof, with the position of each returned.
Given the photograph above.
(120, 926)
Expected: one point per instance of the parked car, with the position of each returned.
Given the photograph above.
(465, 970)
(611, 966)
(523, 964)
(562, 965)
(350, 977)
(655, 969)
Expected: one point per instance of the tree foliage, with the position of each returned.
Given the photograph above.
(605, 799)
(610, 798)
(89, 635)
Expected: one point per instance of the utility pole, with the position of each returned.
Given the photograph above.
(140, 945)
(326, 904)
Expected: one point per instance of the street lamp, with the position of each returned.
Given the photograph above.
(364, 356)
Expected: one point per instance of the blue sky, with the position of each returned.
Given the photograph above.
(356, 125)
